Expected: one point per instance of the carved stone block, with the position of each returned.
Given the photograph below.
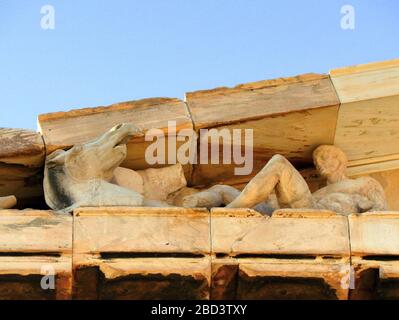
(295, 254)
(141, 253)
(36, 260)
(375, 255)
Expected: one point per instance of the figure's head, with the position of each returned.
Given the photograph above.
(96, 159)
(331, 162)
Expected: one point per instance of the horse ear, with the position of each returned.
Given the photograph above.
(57, 158)
(76, 149)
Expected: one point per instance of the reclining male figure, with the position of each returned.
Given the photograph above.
(342, 195)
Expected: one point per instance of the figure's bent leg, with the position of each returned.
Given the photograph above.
(279, 175)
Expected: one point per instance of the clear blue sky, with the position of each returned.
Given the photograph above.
(102, 52)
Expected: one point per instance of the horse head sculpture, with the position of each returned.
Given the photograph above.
(80, 176)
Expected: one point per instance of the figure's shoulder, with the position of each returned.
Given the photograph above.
(365, 179)
(369, 181)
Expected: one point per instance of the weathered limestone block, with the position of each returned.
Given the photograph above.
(368, 119)
(375, 255)
(35, 244)
(59, 129)
(141, 253)
(288, 231)
(289, 116)
(22, 154)
(274, 280)
(295, 254)
(367, 127)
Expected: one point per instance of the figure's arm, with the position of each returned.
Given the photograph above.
(376, 194)
(8, 202)
(366, 193)
(218, 196)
